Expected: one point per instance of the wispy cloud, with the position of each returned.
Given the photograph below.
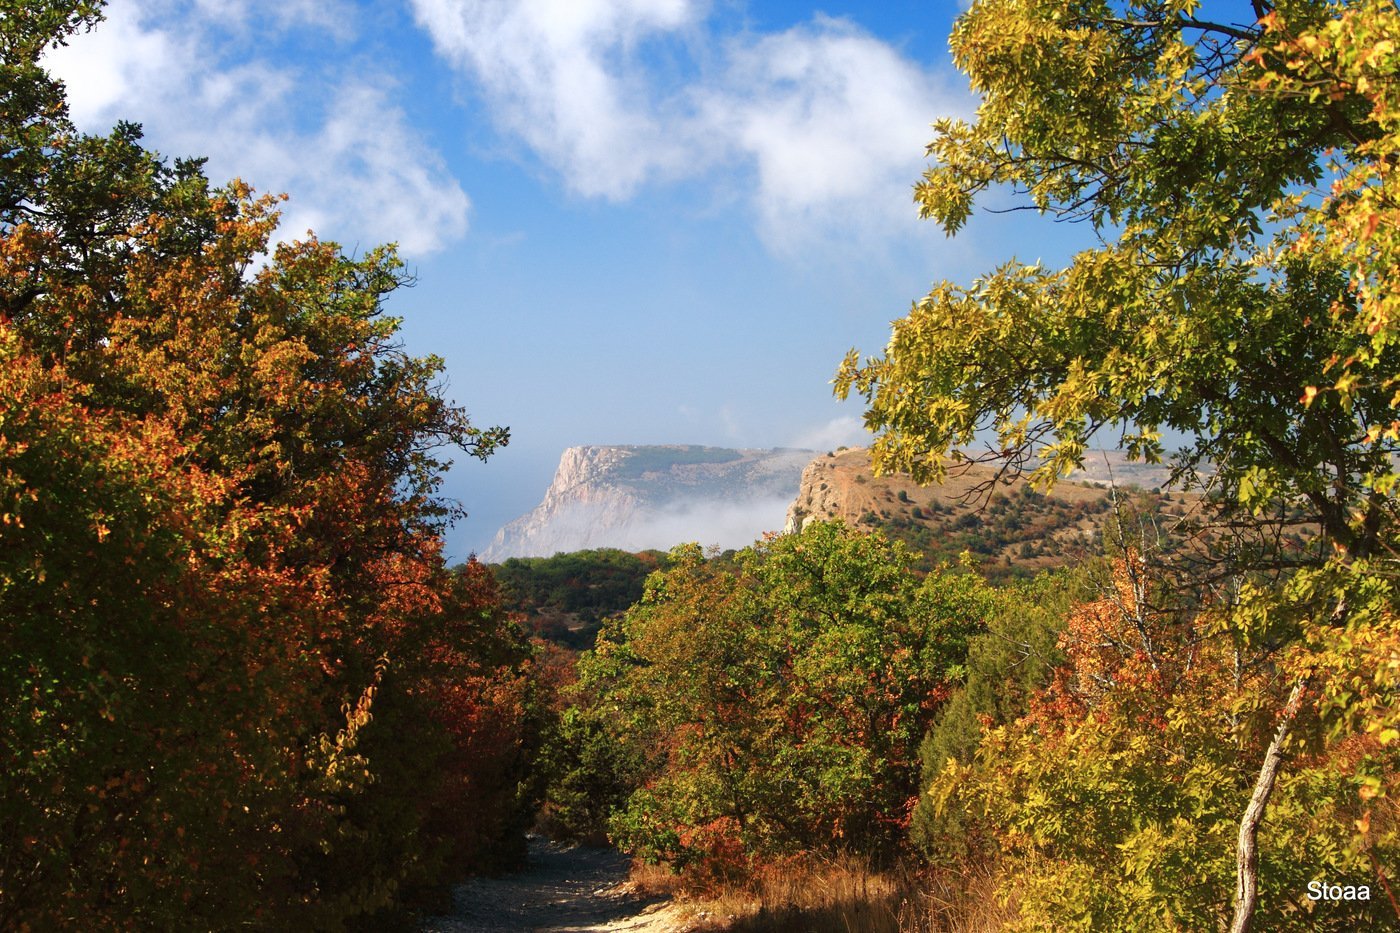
(336, 17)
(828, 121)
(193, 76)
(834, 122)
(709, 523)
(845, 431)
(727, 523)
(820, 127)
(566, 78)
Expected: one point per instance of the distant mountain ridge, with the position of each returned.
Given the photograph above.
(636, 497)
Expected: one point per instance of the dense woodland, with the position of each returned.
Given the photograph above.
(565, 598)
(240, 687)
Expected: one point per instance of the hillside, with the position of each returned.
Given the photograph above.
(640, 497)
(1010, 530)
(564, 598)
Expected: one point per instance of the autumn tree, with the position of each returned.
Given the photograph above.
(778, 707)
(240, 685)
(147, 714)
(1237, 169)
(1196, 314)
(1113, 800)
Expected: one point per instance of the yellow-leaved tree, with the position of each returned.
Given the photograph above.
(1237, 164)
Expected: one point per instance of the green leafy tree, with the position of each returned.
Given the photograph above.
(1195, 313)
(593, 766)
(778, 707)
(566, 597)
(1007, 664)
(1238, 169)
(1349, 59)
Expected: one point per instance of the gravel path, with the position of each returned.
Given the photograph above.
(561, 890)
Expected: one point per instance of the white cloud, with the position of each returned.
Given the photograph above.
(830, 121)
(710, 523)
(335, 17)
(823, 124)
(356, 170)
(563, 76)
(845, 431)
(107, 67)
(727, 523)
(835, 122)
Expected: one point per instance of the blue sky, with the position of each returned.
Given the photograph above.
(632, 221)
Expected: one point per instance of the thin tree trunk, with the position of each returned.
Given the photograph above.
(1247, 852)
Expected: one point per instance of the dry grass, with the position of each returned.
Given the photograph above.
(842, 896)
(966, 901)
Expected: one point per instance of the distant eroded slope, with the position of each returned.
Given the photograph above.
(1009, 529)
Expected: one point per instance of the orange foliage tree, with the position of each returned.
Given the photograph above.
(1114, 802)
(239, 683)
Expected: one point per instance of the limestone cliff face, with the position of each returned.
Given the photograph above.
(579, 505)
(843, 485)
(638, 497)
(1008, 528)
(836, 485)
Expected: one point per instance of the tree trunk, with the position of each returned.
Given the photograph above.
(1247, 852)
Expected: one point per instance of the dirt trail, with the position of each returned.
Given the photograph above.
(561, 890)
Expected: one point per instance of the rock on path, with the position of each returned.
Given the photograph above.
(563, 889)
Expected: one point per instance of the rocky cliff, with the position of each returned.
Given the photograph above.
(842, 485)
(639, 497)
(1009, 529)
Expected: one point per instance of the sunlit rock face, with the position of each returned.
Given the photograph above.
(843, 485)
(639, 497)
